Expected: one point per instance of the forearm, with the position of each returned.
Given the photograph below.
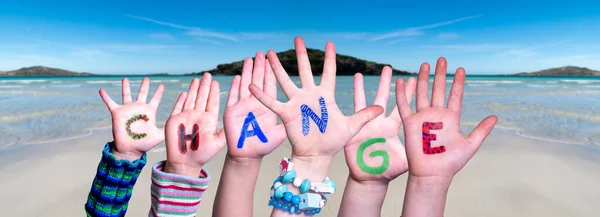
(113, 184)
(312, 168)
(237, 184)
(175, 194)
(362, 198)
(425, 196)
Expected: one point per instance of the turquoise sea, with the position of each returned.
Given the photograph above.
(35, 110)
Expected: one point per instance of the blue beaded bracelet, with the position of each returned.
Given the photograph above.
(309, 203)
(288, 175)
(291, 206)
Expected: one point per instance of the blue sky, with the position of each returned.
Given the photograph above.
(133, 37)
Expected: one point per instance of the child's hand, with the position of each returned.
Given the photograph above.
(313, 104)
(134, 123)
(376, 153)
(434, 144)
(191, 131)
(251, 128)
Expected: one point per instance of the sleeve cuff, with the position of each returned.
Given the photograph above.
(113, 184)
(174, 194)
(113, 161)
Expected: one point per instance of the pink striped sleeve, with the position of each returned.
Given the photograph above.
(176, 195)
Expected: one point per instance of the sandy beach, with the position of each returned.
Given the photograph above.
(509, 176)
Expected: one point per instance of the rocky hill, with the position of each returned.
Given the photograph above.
(562, 71)
(42, 71)
(346, 65)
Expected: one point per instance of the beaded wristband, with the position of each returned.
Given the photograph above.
(307, 203)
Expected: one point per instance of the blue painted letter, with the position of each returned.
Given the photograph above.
(255, 131)
(307, 112)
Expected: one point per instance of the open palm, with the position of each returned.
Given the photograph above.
(313, 104)
(376, 153)
(134, 123)
(434, 144)
(191, 131)
(244, 114)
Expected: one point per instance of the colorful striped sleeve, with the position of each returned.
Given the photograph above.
(176, 195)
(113, 185)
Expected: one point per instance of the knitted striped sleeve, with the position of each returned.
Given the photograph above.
(113, 184)
(176, 195)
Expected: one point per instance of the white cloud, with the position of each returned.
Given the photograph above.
(137, 47)
(399, 40)
(446, 35)
(194, 31)
(417, 30)
(264, 36)
(469, 47)
(520, 53)
(85, 53)
(162, 36)
(208, 40)
(400, 33)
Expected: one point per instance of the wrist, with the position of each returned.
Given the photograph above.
(375, 185)
(314, 168)
(426, 196)
(184, 170)
(123, 155)
(435, 182)
(242, 161)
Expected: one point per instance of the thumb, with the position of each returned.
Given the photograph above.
(266, 100)
(161, 133)
(221, 139)
(481, 131)
(360, 118)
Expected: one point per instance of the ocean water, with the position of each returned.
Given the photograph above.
(36, 110)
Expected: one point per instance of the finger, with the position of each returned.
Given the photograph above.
(234, 91)
(457, 90)
(221, 140)
(422, 83)
(246, 78)
(383, 91)
(360, 118)
(155, 101)
(439, 83)
(111, 104)
(203, 91)
(401, 102)
(409, 90)
(304, 71)
(178, 108)
(266, 100)
(359, 92)
(190, 101)
(287, 85)
(144, 88)
(270, 83)
(258, 73)
(126, 91)
(214, 99)
(481, 131)
(329, 67)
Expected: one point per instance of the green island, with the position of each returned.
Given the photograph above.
(346, 65)
(42, 71)
(562, 71)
